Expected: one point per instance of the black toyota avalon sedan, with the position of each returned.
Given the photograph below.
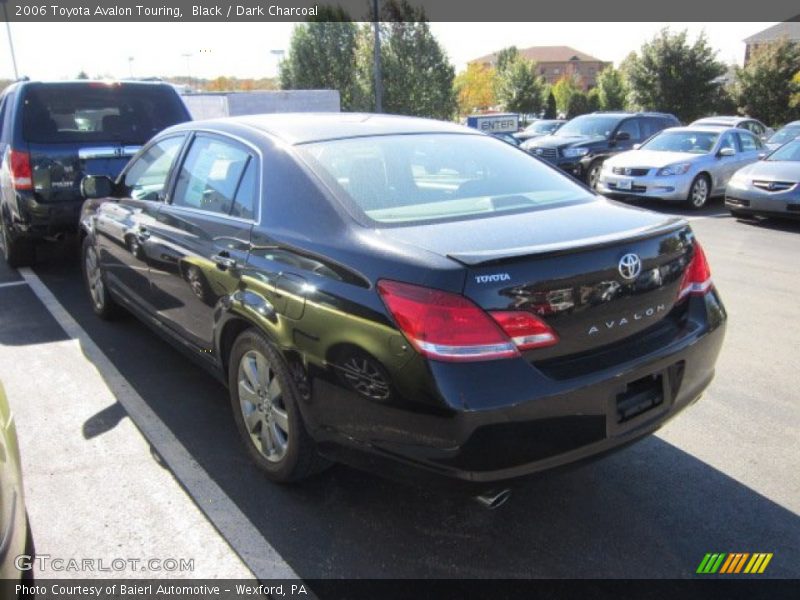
(404, 295)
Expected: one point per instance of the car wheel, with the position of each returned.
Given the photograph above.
(199, 285)
(699, 192)
(18, 252)
(593, 173)
(103, 305)
(265, 407)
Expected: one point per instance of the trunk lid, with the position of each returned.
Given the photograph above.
(564, 265)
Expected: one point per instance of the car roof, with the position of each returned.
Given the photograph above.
(722, 119)
(301, 128)
(701, 128)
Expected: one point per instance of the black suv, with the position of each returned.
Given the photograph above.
(52, 134)
(581, 146)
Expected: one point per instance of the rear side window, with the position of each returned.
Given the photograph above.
(146, 179)
(211, 175)
(748, 141)
(98, 112)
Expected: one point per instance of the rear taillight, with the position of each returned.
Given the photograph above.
(21, 173)
(446, 326)
(697, 277)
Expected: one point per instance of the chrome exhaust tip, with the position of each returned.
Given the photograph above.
(493, 498)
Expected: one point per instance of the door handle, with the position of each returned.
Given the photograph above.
(224, 262)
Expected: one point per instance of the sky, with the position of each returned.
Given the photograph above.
(246, 49)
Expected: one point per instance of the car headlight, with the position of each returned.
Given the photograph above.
(575, 152)
(676, 169)
(739, 180)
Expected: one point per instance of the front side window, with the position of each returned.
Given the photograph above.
(211, 175)
(146, 179)
(589, 125)
(631, 127)
(403, 179)
(728, 141)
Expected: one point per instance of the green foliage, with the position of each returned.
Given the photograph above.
(321, 56)
(83, 75)
(550, 110)
(593, 100)
(768, 85)
(669, 74)
(611, 89)
(520, 88)
(578, 104)
(505, 57)
(563, 90)
(417, 75)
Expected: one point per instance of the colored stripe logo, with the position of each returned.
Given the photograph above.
(734, 563)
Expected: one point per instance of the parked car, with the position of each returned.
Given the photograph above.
(404, 295)
(786, 133)
(753, 125)
(507, 138)
(582, 144)
(690, 164)
(15, 536)
(770, 187)
(539, 128)
(53, 133)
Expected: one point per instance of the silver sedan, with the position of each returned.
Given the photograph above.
(687, 164)
(770, 187)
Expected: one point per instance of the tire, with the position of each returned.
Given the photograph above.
(103, 305)
(18, 252)
(593, 173)
(699, 192)
(265, 408)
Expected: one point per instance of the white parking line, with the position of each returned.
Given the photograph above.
(259, 556)
(12, 283)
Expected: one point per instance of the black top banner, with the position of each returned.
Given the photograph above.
(434, 10)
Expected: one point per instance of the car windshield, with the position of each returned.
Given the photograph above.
(98, 112)
(589, 125)
(784, 135)
(402, 179)
(542, 127)
(787, 152)
(694, 142)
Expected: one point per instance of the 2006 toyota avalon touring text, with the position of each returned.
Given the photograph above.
(404, 295)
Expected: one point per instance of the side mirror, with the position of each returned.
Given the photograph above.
(726, 152)
(637, 146)
(622, 136)
(96, 186)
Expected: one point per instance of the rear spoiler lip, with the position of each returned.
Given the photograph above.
(480, 258)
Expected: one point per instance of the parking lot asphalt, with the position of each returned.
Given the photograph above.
(722, 477)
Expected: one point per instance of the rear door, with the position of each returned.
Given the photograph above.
(91, 128)
(122, 227)
(201, 236)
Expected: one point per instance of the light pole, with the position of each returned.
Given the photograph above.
(188, 57)
(378, 75)
(130, 66)
(279, 54)
(10, 40)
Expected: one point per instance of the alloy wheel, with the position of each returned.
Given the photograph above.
(262, 404)
(594, 175)
(94, 278)
(699, 192)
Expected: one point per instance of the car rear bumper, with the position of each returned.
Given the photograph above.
(35, 219)
(516, 419)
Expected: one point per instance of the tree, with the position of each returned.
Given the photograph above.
(83, 75)
(593, 100)
(563, 90)
(795, 99)
(505, 57)
(550, 111)
(765, 87)
(611, 89)
(417, 75)
(322, 54)
(520, 88)
(671, 75)
(475, 88)
(578, 104)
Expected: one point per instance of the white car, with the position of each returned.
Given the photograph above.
(689, 164)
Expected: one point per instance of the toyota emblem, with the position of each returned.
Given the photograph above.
(630, 266)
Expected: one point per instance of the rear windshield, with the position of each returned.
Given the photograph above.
(98, 113)
(402, 179)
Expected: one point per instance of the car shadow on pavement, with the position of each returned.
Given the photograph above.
(787, 225)
(651, 510)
